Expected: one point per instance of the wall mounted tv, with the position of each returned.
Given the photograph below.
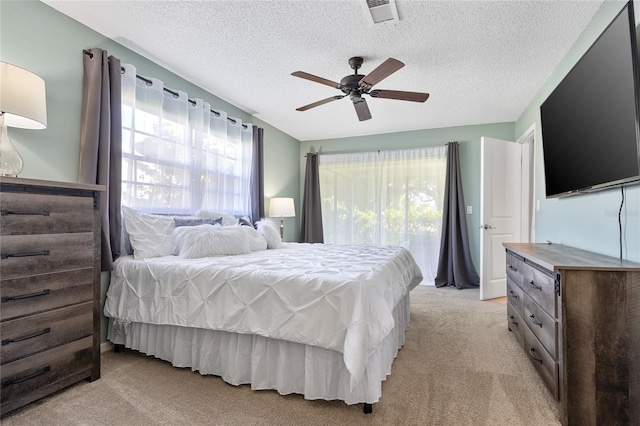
(591, 120)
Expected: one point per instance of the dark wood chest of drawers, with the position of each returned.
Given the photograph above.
(49, 288)
(577, 316)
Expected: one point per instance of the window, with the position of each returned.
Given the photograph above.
(178, 156)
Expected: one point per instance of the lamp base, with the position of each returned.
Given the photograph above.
(10, 159)
(282, 228)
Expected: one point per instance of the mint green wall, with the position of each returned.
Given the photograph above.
(467, 136)
(49, 44)
(586, 221)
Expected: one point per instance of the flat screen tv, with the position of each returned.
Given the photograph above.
(591, 120)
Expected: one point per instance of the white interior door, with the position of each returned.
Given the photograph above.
(500, 211)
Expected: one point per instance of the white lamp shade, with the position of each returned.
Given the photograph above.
(281, 207)
(22, 98)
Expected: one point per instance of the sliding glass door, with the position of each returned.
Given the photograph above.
(386, 198)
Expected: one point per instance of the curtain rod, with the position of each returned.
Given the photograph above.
(166, 89)
(340, 152)
(378, 151)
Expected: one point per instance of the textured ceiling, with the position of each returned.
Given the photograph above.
(481, 61)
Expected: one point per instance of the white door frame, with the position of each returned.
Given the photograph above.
(527, 140)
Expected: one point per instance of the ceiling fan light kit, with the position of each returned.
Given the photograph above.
(356, 85)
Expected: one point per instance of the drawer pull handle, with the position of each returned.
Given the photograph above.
(26, 296)
(47, 330)
(532, 318)
(513, 269)
(532, 352)
(41, 213)
(513, 320)
(7, 383)
(512, 294)
(532, 284)
(27, 254)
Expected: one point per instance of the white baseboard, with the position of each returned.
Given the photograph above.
(106, 347)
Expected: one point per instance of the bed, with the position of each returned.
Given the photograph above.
(318, 320)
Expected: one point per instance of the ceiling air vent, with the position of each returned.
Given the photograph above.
(383, 11)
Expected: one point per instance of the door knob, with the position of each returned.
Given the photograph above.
(485, 226)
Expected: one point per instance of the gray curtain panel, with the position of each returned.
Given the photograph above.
(455, 267)
(101, 143)
(256, 186)
(311, 226)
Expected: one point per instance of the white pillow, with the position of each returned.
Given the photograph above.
(227, 219)
(150, 234)
(256, 240)
(270, 233)
(210, 240)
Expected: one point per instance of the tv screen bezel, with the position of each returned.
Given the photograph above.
(631, 180)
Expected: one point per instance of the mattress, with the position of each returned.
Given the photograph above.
(338, 298)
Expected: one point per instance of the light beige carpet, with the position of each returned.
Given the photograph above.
(459, 366)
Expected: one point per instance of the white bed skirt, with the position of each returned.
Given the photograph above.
(265, 363)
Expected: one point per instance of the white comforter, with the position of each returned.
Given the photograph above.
(335, 297)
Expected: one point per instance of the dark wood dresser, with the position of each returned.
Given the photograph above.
(49, 287)
(577, 316)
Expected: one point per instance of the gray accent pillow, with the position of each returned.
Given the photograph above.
(197, 221)
(244, 221)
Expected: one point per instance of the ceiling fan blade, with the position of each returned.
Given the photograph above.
(317, 79)
(400, 95)
(362, 109)
(383, 71)
(322, 102)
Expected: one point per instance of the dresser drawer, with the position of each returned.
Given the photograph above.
(24, 255)
(23, 213)
(514, 268)
(37, 293)
(515, 323)
(515, 296)
(542, 325)
(28, 379)
(541, 287)
(26, 336)
(543, 362)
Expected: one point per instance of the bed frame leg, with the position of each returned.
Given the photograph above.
(368, 408)
(118, 348)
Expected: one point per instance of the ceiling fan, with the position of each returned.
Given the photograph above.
(357, 85)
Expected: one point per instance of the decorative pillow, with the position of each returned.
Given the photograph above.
(244, 221)
(270, 233)
(150, 234)
(195, 221)
(227, 219)
(256, 240)
(206, 240)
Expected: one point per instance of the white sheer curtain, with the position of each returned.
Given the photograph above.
(349, 188)
(225, 152)
(388, 197)
(179, 156)
(156, 147)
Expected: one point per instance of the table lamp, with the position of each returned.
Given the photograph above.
(282, 207)
(23, 105)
